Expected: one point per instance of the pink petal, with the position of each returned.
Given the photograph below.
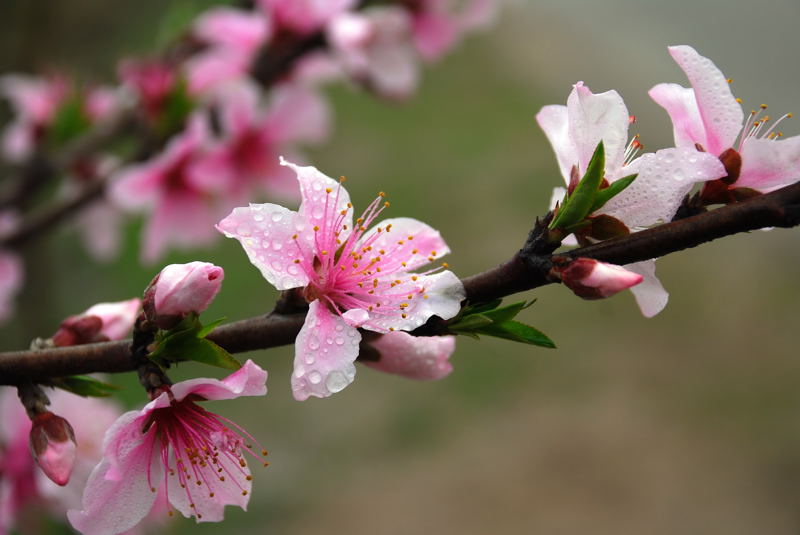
(266, 233)
(239, 108)
(769, 164)
(297, 114)
(305, 16)
(425, 358)
(721, 114)
(320, 207)
(249, 380)
(99, 225)
(100, 102)
(434, 34)
(595, 117)
(118, 318)
(554, 121)
(183, 219)
(393, 70)
(211, 68)
(443, 293)
(356, 317)
(207, 508)
(324, 354)
(118, 494)
(681, 105)
(18, 141)
(236, 28)
(650, 294)
(664, 178)
(414, 235)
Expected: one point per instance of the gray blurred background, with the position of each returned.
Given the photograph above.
(685, 423)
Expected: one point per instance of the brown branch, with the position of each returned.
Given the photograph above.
(528, 269)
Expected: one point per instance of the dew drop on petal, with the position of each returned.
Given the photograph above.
(313, 343)
(336, 381)
(277, 216)
(315, 377)
(339, 341)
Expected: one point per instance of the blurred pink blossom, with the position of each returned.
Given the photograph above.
(245, 158)
(439, 24)
(182, 208)
(194, 457)
(304, 16)
(234, 37)
(351, 277)
(375, 48)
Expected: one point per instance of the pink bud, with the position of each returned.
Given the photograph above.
(53, 446)
(184, 288)
(591, 279)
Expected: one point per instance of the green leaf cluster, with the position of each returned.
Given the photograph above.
(589, 195)
(491, 319)
(187, 341)
(85, 386)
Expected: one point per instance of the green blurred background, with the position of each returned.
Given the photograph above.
(685, 423)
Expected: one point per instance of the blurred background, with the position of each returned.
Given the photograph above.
(685, 423)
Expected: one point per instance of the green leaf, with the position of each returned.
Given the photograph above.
(206, 329)
(186, 344)
(480, 308)
(70, 121)
(506, 313)
(178, 104)
(518, 332)
(470, 323)
(85, 386)
(613, 189)
(579, 204)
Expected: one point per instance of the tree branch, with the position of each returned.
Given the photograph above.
(527, 269)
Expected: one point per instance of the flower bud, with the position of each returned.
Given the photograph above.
(184, 288)
(53, 446)
(591, 279)
(100, 323)
(425, 358)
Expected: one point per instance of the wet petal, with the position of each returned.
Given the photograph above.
(664, 178)
(555, 123)
(650, 294)
(249, 380)
(681, 105)
(324, 354)
(425, 358)
(407, 240)
(595, 117)
(266, 233)
(769, 164)
(721, 114)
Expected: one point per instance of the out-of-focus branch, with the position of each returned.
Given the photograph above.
(527, 269)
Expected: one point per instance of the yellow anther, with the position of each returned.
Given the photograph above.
(323, 253)
(244, 493)
(386, 204)
(411, 237)
(381, 194)
(410, 296)
(349, 205)
(789, 115)
(343, 212)
(316, 228)
(445, 265)
(391, 328)
(403, 305)
(328, 190)
(404, 315)
(294, 237)
(763, 106)
(342, 179)
(360, 220)
(415, 251)
(730, 80)
(413, 277)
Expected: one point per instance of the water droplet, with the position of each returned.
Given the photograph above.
(277, 246)
(329, 340)
(258, 217)
(336, 381)
(265, 244)
(339, 341)
(293, 270)
(317, 212)
(310, 359)
(313, 343)
(299, 371)
(277, 266)
(277, 216)
(339, 328)
(315, 378)
(317, 186)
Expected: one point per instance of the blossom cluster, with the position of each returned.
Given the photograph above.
(715, 146)
(216, 134)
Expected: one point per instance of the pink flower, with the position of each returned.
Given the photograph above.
(234, 37)
(36, 103)
(196, 458)
(304, 16)
(22, 485)
(183, 208)
(352, 277)
(591, 279)
(425, 358)
(151, 81)
(664, 178)
(375, 47)
(184, 288)
(438, 26)
(253, 136)
(709, 115)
